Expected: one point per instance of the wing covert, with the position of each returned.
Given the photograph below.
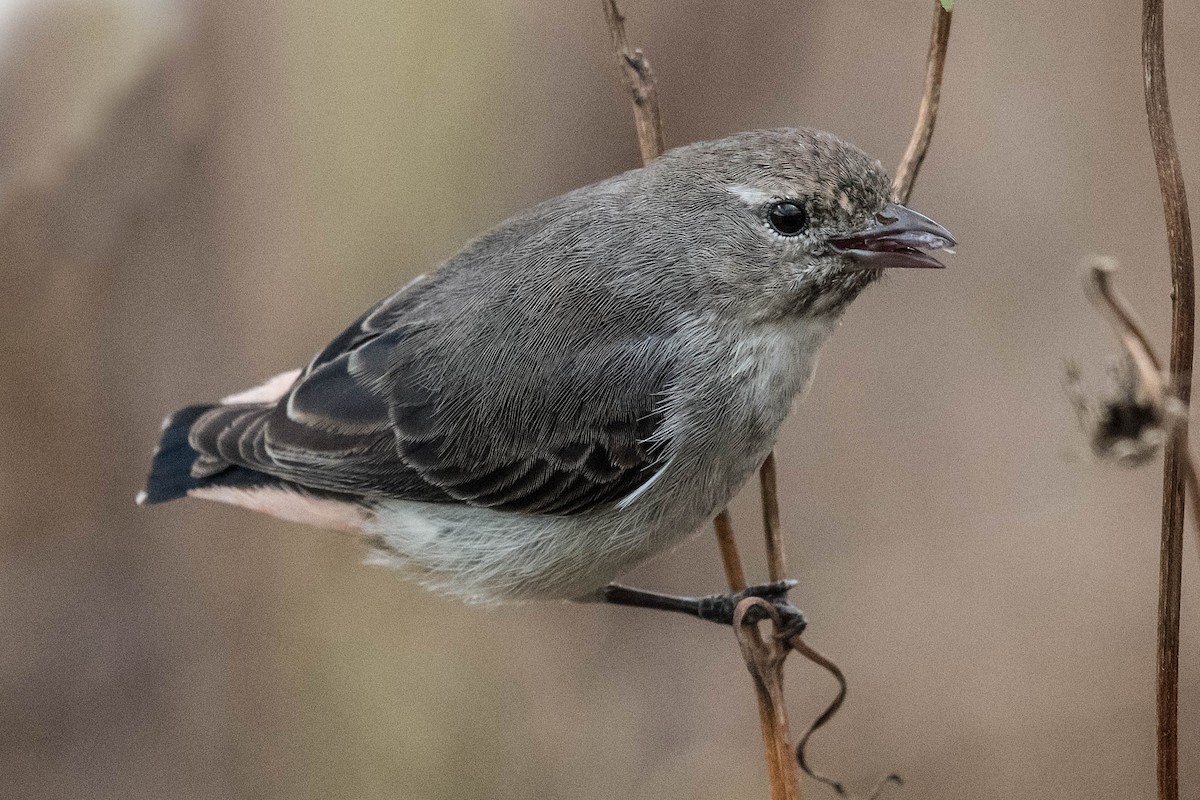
(530, 373)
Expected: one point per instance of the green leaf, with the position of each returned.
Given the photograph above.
(948, 5)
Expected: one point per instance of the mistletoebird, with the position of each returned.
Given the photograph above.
(579, 388)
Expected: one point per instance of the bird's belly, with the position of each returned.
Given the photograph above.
(488, 556)
(483, 555)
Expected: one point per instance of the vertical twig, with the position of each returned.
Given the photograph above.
(735, 573)
(1179, 238)
(931, 96)
(906, 176)
(764, 657)
(640, 81)
(772, 527)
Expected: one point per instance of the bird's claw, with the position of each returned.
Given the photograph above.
(720, 608)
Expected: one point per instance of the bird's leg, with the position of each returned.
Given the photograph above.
(715, 607)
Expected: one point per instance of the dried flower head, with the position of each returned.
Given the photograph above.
(1122, 424)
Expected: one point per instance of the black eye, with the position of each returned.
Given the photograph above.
(787, 218)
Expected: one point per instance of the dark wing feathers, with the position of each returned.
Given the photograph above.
(331, 398)
(449, 394)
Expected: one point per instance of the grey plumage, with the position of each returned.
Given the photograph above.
(578, 388)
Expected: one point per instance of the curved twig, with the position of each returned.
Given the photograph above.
(931, 96)
(1179, 238)
(1170, 412)
(764, 658)
(902, 186)
(803, 648)
(821, 660)
(1129, 330)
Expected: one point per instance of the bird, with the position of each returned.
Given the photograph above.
(578, 389)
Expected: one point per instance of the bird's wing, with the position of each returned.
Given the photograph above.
(472, 397)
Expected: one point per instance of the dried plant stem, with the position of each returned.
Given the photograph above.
(764, 658)
(735, 573)
(1179, 238)
(772, 527)
(640, 81)
(931, 96)
(906, 177)
(817, 658)
(1130, 332)
(1149, 366)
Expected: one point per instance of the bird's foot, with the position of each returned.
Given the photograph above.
(720, 608)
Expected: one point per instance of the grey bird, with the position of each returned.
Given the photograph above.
(576, 390)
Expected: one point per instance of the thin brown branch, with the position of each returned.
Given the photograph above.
(1129, 330)
(1171, 414)
(765, 657)
(906, 177)
(772, 527)
(639, 79)
(764, 660)
(918, 145)
(735, 573)
(643, 89)
(1179, 239)
(813, 655)
(802, 647)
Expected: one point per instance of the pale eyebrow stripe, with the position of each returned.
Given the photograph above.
(749, 195)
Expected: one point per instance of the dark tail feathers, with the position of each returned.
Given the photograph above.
(171, 470)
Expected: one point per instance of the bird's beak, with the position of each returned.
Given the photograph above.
(898, 238)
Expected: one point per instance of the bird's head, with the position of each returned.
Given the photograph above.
(793, 221)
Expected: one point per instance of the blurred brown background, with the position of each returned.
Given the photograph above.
(195, 195)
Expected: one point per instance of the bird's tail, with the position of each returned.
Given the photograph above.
(171, 470)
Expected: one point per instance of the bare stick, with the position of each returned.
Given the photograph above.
(764, 659)
(640, 81)
(1133, 336)
(918, 145)
(735, 573)
(1179, 238)
(1129, 331)
(772, 527)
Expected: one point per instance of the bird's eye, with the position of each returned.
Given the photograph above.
(787, 218)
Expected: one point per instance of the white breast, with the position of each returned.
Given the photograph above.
(735, 406)
(723, 416)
